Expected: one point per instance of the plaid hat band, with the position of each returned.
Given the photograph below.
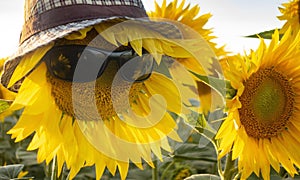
(44, 14)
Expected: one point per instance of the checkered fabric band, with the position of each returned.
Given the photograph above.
(44, 14)
(45, 5)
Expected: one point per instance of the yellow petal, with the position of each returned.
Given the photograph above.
(123, 169)
(159, 84)
(81, 34)
(30, 88)
(28, 62)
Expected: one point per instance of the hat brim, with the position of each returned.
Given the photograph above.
(42, 38)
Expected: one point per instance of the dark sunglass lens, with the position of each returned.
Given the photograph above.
(138, 68)
(75, 63)
(90, 66)
(62, 62)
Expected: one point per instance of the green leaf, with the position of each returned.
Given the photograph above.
(184, 131)
(265, 34)
(4, 104)
(203, 177)
(164, 66)
(28, 158)
(10, 171)
(191, 151)
(216, 83)
(139, 174)
(4, 145)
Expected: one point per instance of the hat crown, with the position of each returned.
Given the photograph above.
(28, 8)
(45, 14)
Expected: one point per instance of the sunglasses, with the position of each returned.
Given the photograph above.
(80, 63)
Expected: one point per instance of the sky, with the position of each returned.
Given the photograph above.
(231, 20)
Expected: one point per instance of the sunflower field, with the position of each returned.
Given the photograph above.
(196, 112)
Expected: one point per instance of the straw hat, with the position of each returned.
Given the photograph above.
(48, 20)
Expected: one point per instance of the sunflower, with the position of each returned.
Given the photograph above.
(90, 123)
(262, 126)
(290, 14)
(189, 16)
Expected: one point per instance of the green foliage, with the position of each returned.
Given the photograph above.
(218, 84)
(265, 34)
(4, 104)
(13, 156)
(11, 172)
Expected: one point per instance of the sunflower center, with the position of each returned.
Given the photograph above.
(267, 103)
(93, 100)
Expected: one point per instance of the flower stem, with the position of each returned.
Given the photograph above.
(230, 169)
(220, 171)
(54, 169)
(164, 174)
(155, 171)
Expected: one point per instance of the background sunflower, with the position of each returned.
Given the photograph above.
(290, 13)
(260, 130)
(188, 15)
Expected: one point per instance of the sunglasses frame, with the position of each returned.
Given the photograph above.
(110, 55)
